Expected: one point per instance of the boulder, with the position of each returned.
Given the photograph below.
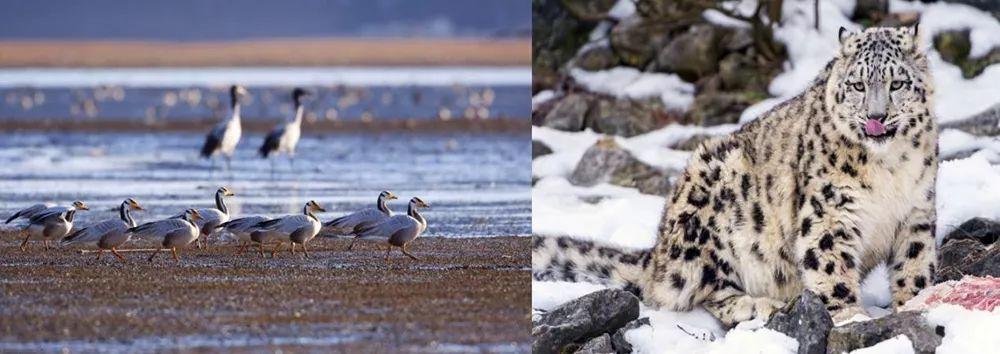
(603, 311)
(742, 72)
(692, 54)
(871, 10)
(985, 123)
(618, 341)
(954, 47)
(859, 335)
(599, 345)
(589, 10)
(568, 113)
(637, 40)
(984, 230)
(539, 148)
(596, 57)
(555, 37)
(623, 116)
(806, 320)
(714, 108)
(692, 143)
(607, 162)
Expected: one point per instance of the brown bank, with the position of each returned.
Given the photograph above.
(464, 295)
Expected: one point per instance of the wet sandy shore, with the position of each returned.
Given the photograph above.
(464, 295)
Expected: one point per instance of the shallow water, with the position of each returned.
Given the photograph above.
(477, 184)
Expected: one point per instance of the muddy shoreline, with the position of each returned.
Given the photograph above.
(465, 294)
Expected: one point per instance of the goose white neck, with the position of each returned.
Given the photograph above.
(380, 204)
(412, 212)
(126, 214)
(236, 111)
(220, 203)
(299, 112)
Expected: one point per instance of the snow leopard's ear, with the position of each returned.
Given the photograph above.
(843, 34)
(910, 36)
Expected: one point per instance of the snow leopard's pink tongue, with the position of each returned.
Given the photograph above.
(874, 127)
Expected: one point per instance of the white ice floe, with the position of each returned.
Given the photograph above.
(626, 82)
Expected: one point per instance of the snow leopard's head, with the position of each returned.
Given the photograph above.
(879, 84)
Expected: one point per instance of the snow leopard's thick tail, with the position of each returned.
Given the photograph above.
(567, 259)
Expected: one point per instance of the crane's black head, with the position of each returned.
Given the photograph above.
(235, 93)
(298, 94)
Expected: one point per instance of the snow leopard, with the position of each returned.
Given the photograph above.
(812, 195)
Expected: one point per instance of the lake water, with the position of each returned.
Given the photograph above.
(477, 184)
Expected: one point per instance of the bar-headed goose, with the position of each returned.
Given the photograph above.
(298, 229)
(51, 224)
(28, 212)
(211, 218)
(398, 230)
(242, 228)
(226, 134)
(285, 136)
(351, 223)
(108, 234)
(176, 233)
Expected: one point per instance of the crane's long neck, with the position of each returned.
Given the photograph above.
(220, 203)
(380, 204)
(412, 212)
(299, 112)
(70, 214)
(126, 214)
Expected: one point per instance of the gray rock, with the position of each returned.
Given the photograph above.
(806, 320)
(859, 335)
(623, 116)
(984, 230)
(692, 143)
(599, 345)
(874, 10)
(714, 108)
(637, 40)
(607, 162)
(618, 341)
(596, 313)
(960, 252)
(596, 57)
(954, 46)
(693, 54)
(568, 114)
(986, 123)
(589, 10)
(539, 148)
(739, 71)
(555, 37)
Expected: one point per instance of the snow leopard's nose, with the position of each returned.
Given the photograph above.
(879, 116)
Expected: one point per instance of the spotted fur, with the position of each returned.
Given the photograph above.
(800, 198)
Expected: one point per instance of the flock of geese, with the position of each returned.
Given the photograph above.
(225, 135)
(194, 226)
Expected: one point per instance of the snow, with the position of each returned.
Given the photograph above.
(966, 188)
(966, 331)
(626, 82)
(622, 9)
(541, 97)
(900, 344)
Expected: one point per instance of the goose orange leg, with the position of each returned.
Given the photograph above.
(119, 255)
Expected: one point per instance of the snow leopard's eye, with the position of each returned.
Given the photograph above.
(860, 87)
(896, 85)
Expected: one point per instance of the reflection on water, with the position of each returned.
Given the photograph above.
(477, 184)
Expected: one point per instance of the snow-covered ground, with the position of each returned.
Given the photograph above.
(624, 217)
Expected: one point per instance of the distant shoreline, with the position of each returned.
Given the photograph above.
(270, 52)
(502, 125)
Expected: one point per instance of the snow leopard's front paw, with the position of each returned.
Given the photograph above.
(849, 314)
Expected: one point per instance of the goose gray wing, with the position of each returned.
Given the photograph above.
(94, 232)
(389, 227)
(286, 224)
(362, 218)
(243, 224)
(159, 228)
(28, 212)
(47, 214)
